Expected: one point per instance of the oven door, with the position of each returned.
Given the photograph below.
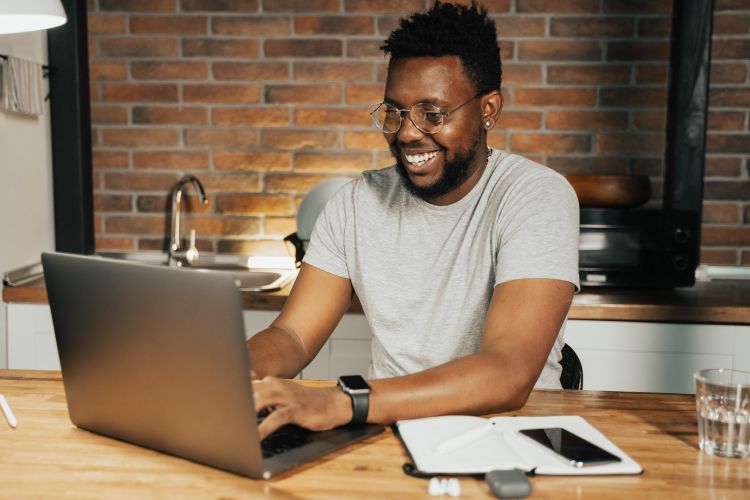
(618, 248)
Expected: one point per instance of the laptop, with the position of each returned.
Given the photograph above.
(156, 356)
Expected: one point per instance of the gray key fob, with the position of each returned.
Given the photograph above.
(508, 483)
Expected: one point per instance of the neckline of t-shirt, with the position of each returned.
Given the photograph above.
(494, 160)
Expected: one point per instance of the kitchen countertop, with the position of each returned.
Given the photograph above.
(719, 301)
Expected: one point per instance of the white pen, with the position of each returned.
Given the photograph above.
(463, 439)
(8, 412)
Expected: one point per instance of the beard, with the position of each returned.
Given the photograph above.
(455, 172)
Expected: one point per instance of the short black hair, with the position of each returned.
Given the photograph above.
(451, 30)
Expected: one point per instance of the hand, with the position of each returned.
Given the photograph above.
(315, 408)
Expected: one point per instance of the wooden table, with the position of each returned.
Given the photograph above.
(47, 457)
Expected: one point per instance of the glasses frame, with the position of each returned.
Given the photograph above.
(402, 112)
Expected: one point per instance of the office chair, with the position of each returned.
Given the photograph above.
(572, 370)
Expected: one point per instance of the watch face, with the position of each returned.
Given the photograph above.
(354, 382)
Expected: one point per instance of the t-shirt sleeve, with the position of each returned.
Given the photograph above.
(537, 236)
(326, 249)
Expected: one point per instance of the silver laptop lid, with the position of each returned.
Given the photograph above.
(138, 364)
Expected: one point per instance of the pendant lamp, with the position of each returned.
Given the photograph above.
(17, 16)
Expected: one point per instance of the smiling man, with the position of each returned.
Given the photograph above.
(465, 258)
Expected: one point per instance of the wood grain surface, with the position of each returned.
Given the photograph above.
(611, 191)
(47, 457)
(721, 302)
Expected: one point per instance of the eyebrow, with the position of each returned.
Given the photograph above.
(393, 102)
(435, 102)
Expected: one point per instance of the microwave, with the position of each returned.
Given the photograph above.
(637, 248)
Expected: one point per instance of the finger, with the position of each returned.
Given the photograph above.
(253, 375)
(260, 397)
(268, 393)
(273, 421)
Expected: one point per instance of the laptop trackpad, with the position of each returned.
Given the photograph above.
(316, 444)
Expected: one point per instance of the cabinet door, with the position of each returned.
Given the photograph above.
(652, 357)
(256, 321)
(347, 351)
(31, 338)
(3, 335)
(31, 342)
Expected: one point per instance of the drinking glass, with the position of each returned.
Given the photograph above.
(722, 399)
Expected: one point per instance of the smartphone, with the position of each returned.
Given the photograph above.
(574, 449)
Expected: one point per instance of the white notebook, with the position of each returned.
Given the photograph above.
(500, 446)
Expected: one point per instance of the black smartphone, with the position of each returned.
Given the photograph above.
(574, 449)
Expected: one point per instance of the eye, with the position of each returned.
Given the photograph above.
(435, 117)
(429, 114)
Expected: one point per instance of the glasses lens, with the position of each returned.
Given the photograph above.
(427, 117)
(388, 118)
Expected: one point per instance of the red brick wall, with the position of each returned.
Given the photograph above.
(262, 99)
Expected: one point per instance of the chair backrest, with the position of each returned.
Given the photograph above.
(572, 370)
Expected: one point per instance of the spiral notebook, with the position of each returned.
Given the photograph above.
(501, 446)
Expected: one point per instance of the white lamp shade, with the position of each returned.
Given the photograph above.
(17, 16)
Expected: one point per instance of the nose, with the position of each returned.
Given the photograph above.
(408, 131)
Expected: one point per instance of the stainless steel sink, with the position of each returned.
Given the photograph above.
(253, 274)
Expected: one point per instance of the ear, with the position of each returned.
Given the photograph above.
(492, 105)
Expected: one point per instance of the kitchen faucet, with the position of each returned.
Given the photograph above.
(177, 256)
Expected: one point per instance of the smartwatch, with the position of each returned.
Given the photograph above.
(357, 389)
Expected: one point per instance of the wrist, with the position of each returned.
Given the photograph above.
(358, 390)
(341, 406)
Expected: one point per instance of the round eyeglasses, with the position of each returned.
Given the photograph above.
(427, 117)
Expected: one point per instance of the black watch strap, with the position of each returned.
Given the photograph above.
(360, 408)
(357, 388)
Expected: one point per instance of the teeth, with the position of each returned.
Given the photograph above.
(421, 158)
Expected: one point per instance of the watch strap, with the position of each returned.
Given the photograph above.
(360, 408)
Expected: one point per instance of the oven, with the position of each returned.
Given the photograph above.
(636, 248)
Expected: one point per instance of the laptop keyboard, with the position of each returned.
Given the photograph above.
(284, 439)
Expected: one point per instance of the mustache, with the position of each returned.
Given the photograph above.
(397, 146)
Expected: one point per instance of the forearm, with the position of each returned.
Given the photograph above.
(276, 352)
(522, 324)
(470, 385)
(477, 384)
(315, 305)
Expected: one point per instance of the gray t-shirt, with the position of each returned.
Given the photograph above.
(425, 273)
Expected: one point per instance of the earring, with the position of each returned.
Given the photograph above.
(489, 122)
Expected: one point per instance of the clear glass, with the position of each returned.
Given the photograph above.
(722, 399)
(427, 117)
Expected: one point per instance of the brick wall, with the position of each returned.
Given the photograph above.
(262, 99)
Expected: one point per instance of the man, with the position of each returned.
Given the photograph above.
(465, 259)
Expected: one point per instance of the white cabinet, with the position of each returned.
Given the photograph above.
(346, 352)
(654, 357)
(256, 321)
(616, 355)
(3, 336)
(31, 338)
(31, 342)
